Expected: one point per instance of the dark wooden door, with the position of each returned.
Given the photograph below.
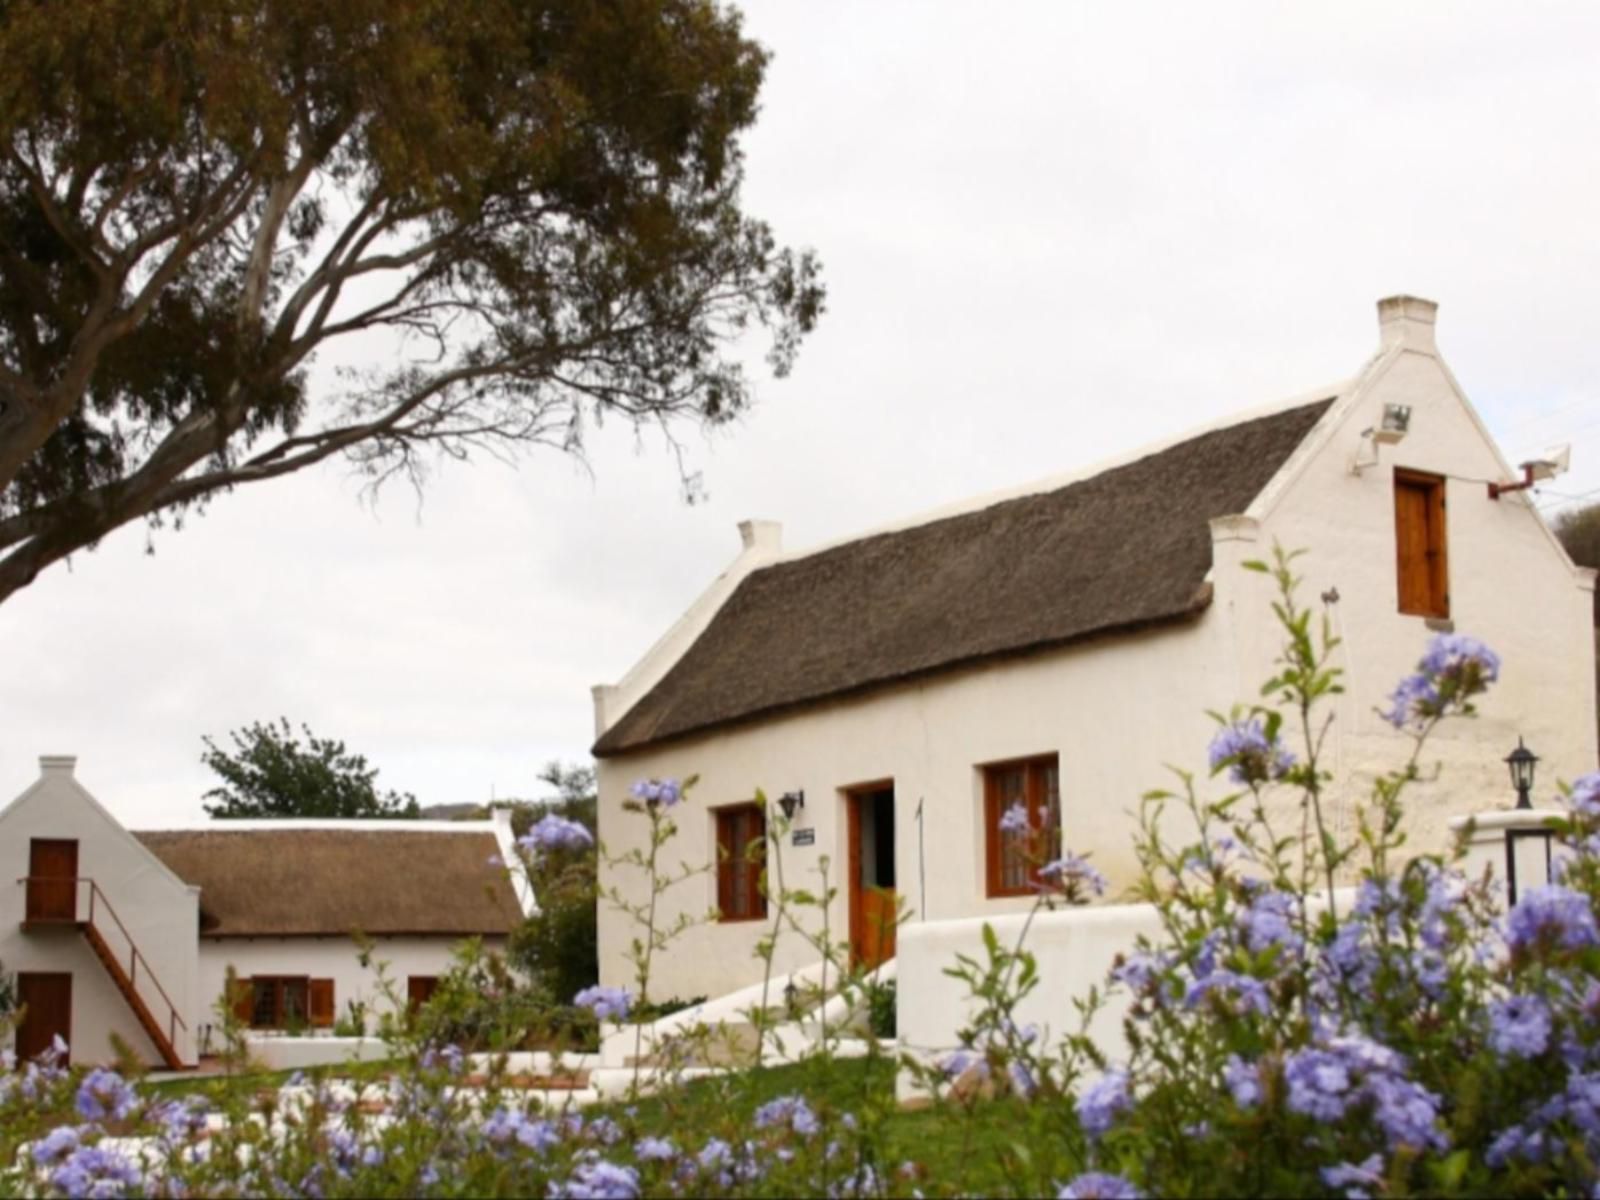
(419, 990)
(46, 1000)
(52, 880)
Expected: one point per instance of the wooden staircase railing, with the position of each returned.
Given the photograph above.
(126, 980)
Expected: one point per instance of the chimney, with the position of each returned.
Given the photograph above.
(763, 536)
(57, 764)
(1407, 321)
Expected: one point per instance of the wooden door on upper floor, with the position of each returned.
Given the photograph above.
(52, 880)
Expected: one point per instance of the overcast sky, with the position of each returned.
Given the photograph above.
(1051, 232)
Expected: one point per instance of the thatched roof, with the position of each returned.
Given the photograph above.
(296, 881)
(1126, 548)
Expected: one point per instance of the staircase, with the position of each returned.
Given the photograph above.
(126, 984)
(57, 907)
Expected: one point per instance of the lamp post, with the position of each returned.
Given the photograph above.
(1521, 763)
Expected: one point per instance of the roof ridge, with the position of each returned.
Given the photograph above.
(1054, 483)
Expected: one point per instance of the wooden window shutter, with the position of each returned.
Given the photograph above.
(320, 1002)
(244, 999)
(1421, 568)
(727, 863)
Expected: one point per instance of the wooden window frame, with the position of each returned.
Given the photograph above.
(280, 985)
(1434, 583)
(736, 871)
(1036, 796)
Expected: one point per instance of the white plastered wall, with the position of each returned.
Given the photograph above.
(335, 958)
(1114, 710)
(1510, 585)
(160, 911)
(1117, 709)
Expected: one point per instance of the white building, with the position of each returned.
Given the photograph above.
(1061, 643)
(111, 934)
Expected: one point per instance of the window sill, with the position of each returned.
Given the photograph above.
(741, 920)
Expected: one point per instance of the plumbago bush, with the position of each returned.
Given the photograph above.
(1290, 1037)
(1315, 1017)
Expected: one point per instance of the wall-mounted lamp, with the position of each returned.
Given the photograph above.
(791, 803)
(1389, 431)
(1522, 763)
(1553, 462)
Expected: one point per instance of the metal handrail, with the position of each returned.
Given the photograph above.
(133, 962)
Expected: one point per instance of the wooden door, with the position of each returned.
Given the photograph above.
(52, 880)
(873, 898)
(46, 999)
(419, 990)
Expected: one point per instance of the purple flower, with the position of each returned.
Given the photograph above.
(98, 1172)
(658, 792)
(1355, 1178)
(1453, 670)
(958, 1062)
(1585, 795)
(654, 1149)
(1407, 1112)
(1103, 1100)
(607, 1003)
(1249, 754)
(1269, 921)
(1240, 993)
(1096, 1185)
(599, 1180)
(1015, 820)
(1455, 657)
(1516, 1142)
(105, 1096)
(1519, 1027)
(1022, 1079)
(1243, 1080)
(1070, 869)
(1320, 1086)
(551, 832)
(790, 1111)
(57, 1144)
(1552, 915)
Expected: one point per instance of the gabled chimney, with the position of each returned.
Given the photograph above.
(1407, 321)
(57, 764)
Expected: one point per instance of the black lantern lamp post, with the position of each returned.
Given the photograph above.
(791, 803)
(1521, 763)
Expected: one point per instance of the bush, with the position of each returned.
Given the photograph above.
(882, 1003)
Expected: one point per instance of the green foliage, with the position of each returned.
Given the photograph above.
(558, 947)
(1579, 531)
(882, 1005)
(534, 206)
(271, 773)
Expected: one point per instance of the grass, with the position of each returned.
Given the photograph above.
(980, 1148)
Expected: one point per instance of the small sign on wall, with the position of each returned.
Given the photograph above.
(804, 837)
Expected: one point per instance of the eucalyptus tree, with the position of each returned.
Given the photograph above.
(533, 206)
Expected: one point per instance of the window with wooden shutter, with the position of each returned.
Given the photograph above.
(320, 999)
(741, 859)
(1422, 564)
(1013, 859)
(243, 998)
